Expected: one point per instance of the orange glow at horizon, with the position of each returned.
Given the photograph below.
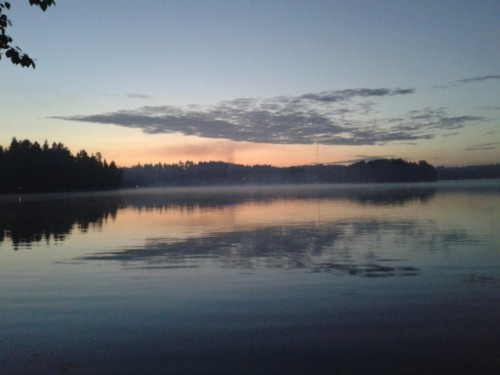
(129, 147)
(170, 149)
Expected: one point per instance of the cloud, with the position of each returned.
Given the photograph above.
(479, 79)
(483, 147)
(130, 96)
(223, 149)
(138, 96)
(358, 158)
(490, 107)
(329, 117)
(343, 95)
(467, 80)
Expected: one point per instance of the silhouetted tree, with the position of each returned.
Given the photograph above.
(473, 172)
(14, 53)
(29, 167)
(221, 173)
(391, 170)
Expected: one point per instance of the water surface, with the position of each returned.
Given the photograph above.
(305, 279)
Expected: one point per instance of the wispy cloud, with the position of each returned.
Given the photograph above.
(222, 149)
(332, 117)
(479, 79)
(358, 158)
(138, 96)
(467, 80)
(483, 147)
(130, 96)
(490, 107)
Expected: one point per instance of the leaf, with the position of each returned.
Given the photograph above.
(26, 61)
(15, 57)
(5, 41)
(15, 54)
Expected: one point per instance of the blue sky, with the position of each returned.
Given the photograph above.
(275, 82)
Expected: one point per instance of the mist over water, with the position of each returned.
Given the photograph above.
(317, 279)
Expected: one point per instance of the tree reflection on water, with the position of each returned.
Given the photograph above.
(30, 219)
(322, 280)
(353, 246)
(46, 218)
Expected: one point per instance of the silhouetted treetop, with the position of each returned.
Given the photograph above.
(14, 53)
(29, 167)
(218, 172)
(472, 172)
(391, 170)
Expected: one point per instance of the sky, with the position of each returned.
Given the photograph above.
(258, 82)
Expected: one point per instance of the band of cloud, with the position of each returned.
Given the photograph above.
(479, 79)
(468, 80)
(330, 117)
(484, 147)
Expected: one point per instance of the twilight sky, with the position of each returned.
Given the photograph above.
(258, 82)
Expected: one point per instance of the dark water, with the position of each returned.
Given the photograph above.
(318, 279)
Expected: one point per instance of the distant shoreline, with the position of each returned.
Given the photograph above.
(27, 167)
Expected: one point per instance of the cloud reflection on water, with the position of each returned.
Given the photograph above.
(31, 219)
(353, 247)
(359, 245)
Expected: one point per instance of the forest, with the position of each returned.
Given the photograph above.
(217, 172)
(471, 172)
(27, 167)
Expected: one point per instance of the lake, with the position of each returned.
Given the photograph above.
(326, 279)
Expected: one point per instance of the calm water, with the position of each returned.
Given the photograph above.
(318, 279)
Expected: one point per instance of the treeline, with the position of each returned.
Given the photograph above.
(31, 168)
(217, 172)
(473, 172)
